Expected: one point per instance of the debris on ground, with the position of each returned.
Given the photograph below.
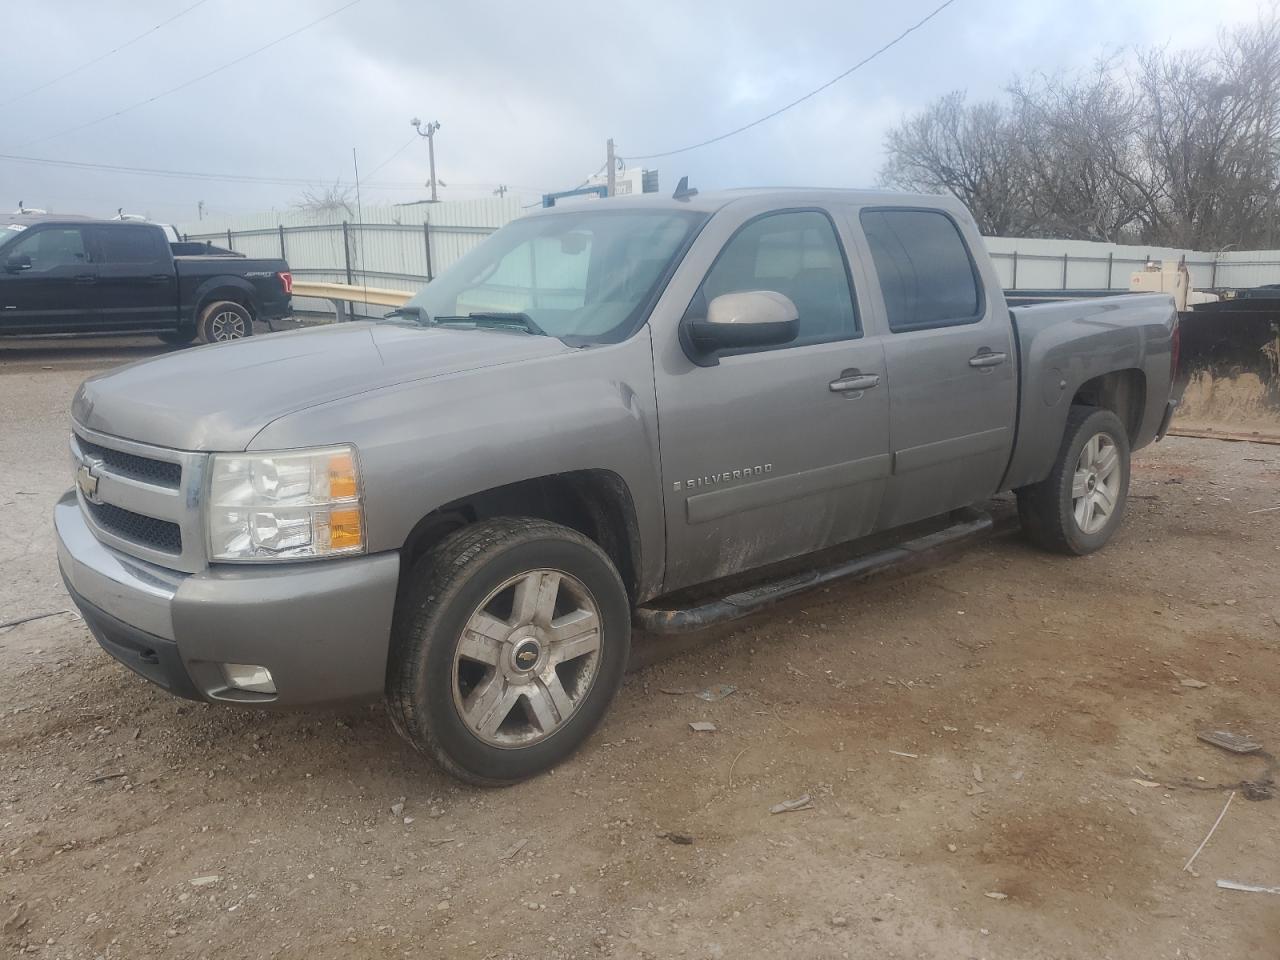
(702, 726)
(677, 691)
(1146, 783)
(397, 809)
(996, 895)
(683, 839)
(1187, 865)
(1246, 887)
(909, 756)
(205, 881)
(1194, 684)
(16, 920)
(718, 692)
(791, 806)
(1234, 742)
(977, 773)
(515, 848)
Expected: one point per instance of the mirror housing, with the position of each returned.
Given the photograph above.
(734, 321)
(17, 263)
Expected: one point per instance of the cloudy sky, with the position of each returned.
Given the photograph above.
(526, 92)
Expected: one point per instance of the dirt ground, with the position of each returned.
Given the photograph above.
(1000, 752)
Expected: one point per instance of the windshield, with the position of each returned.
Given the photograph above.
(583, 276)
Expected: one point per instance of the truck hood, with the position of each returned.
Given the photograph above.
(219, 397)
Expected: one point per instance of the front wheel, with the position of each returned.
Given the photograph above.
(1080, 505)
(510, 641)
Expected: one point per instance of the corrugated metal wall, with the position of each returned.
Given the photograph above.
(387, 248)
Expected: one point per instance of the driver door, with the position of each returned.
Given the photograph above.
(768, 454)
(48, 283)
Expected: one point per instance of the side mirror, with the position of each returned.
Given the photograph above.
(17, 263)
(752, 318)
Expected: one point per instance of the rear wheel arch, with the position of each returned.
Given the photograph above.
(596, 503)
(1123, 392)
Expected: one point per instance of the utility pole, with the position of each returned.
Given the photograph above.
(501, 191)
(428, 130)
(613, 167)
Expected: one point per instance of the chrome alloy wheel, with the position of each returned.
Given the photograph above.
(228, 325)
(1095, 486)
(527, 658)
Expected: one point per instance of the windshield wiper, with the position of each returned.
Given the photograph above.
(496, 319)
(409, 310)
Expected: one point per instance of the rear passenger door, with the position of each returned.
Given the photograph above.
(137, 284)
(952, 366)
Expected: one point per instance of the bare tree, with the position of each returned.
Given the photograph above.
(327, 203)
(968, 150)
(1182, 149)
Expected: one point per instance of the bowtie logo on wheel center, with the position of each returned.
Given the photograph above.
(525, 654)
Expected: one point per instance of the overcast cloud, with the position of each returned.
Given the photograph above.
(526, 92)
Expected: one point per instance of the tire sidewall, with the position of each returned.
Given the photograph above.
(221, 306)
(1104, 422)
(446, 616)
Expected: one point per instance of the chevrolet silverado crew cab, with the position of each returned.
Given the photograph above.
(78, 275)
(464, 508)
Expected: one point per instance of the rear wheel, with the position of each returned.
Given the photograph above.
(509, 644)
(1080, 505)
(225, 320)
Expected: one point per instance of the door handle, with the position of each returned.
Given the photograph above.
(860, 382)
(85, 278)
(159, 278)
(987, 359)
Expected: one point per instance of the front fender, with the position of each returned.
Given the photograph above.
(432, 442)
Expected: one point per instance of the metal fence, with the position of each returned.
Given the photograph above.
(400, 256)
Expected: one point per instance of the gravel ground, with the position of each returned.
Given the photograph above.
(1000, 752)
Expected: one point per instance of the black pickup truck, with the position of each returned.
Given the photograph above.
(80, 275)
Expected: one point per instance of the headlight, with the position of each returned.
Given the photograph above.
(293, 505)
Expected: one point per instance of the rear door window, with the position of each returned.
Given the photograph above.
(131, 244)
(926, 274)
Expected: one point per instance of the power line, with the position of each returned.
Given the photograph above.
(812, 93)
(194, 80)
(89, 63)
(402, 149)
(228, 177)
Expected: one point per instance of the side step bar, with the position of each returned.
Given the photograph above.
(972, 524)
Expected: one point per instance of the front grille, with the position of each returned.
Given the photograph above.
(162, 535)
(160, 472)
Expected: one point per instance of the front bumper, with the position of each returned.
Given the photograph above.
(322, 628)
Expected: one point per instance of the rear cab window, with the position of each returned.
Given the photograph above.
(927, 275)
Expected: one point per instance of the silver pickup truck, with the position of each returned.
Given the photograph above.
(465, 507)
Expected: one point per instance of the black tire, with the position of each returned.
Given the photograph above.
(442, 592)
(1046, 509)
(177, 338)
(225, 320)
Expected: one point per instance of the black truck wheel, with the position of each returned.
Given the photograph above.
(509, 643)
(1080, 505)
(225, 320)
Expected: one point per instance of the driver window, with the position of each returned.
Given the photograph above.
(51, 248)
(795, 254)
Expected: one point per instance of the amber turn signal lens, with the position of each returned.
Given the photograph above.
(344, 530)
(342, 477)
